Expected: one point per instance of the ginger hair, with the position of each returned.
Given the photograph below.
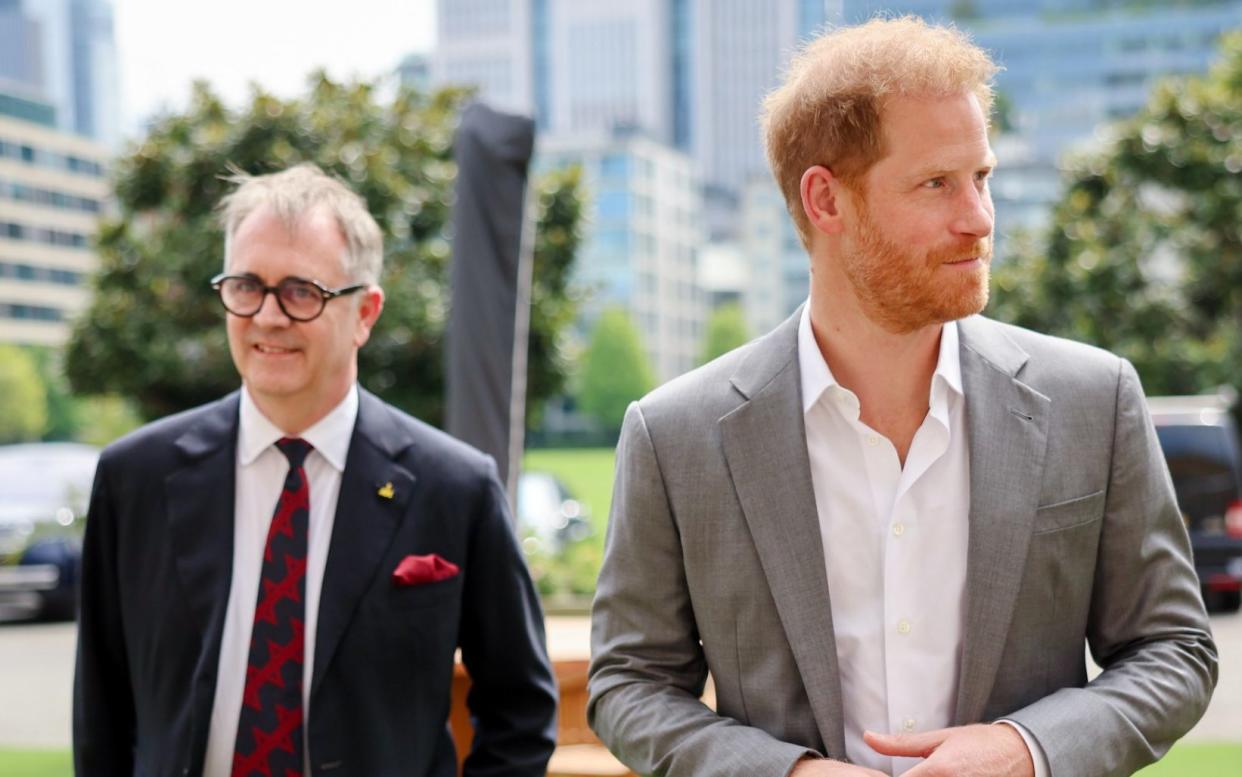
(829, 109)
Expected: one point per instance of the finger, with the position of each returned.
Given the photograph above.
(851, 770)
(927, 769)
(918, 745)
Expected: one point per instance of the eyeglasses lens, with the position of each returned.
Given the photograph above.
(299, 299)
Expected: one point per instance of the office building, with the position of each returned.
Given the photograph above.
(689, 73)
(53, 187)
(63, 53)
(487, 44)
(641, 242)
(414, 71)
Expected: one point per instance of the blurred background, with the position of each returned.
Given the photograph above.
(660, 240)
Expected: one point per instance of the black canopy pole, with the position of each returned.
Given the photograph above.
(490, 274)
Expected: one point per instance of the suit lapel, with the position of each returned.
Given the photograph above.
(375, 491)
(764, 442)
(199, 499)
(1007, 424)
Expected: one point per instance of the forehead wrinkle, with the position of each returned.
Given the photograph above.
(952, 157)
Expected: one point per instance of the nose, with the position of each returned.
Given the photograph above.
(270, 313)
(975, 217)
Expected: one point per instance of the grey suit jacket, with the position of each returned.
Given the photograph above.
(714, 562)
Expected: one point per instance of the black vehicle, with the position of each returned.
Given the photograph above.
(1200, 444)
(44, 488)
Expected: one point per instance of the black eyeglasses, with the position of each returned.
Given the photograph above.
(299, 299)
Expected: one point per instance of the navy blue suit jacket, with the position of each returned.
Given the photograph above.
(156, 571)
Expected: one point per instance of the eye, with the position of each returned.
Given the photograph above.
(244, 285)
(934, 183)
(983, 175)
(301, 292)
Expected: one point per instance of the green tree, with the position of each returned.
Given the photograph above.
(23, 397)
(104, 418)
(726, 330)
(154, 331)
(615, 370)
(1144, 252)
(62, 407)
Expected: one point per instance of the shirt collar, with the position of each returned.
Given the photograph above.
(329, 435)
(817, 376)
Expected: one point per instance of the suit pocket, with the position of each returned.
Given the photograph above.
(424, 594)
(1069, 513)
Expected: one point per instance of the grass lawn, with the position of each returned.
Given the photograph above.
(36, 763)
(1185, 760)
(1199, 760)
(566, 580)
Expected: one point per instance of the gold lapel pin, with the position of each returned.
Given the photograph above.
(386, 491)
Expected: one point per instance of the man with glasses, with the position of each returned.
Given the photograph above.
(277, 583)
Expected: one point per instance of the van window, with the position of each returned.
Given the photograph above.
(1201, 464)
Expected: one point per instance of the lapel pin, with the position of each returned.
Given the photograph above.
(386, 491)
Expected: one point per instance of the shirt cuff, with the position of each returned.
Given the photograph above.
(1037, 753)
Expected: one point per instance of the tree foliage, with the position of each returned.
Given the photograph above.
(726, 330)
(1144, 253)
(23, 397)
(615, 369)
(154, 331)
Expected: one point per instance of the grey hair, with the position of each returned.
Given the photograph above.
(297, 191)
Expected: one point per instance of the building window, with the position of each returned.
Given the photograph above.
(33, 273)
(54, 237)
(39, 157)
(54, 199)
(30, 312)
(614, 206)
(614, 166)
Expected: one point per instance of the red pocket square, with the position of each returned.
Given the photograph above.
(416, 570)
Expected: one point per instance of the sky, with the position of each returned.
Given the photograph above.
(163, 46)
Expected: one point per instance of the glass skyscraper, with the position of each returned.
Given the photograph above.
(63, 53)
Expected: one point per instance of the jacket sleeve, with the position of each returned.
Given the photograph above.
(512, 697)
(103, 705)
(648, 669)
(1147, 629)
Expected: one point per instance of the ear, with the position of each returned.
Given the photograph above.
(821, 200)
(368, 313)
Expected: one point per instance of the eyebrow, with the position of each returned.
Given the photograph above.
(937, 171)
(259, 279)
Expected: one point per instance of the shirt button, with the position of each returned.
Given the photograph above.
(908, 724)
(873, 440)
(903, 626)
(899, 529)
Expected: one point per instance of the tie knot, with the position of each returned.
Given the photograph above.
(295, 450)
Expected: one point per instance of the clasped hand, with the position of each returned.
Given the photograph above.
(981, 750)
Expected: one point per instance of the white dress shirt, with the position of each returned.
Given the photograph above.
(895, 541)
(261, 471)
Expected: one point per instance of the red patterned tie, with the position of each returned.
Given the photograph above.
(269, 731)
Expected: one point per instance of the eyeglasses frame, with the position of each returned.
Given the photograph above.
(326, 293)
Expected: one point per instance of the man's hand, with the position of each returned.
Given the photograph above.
(822, 767)
(981, 750)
